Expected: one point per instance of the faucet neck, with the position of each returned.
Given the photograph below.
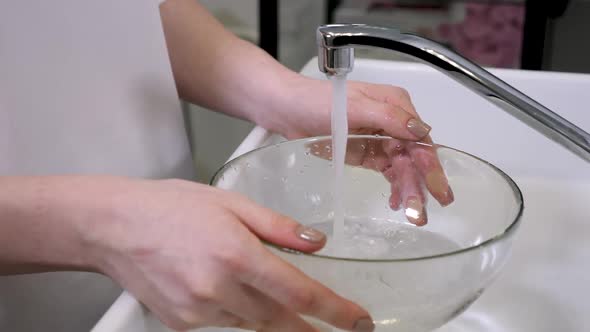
(335, 57)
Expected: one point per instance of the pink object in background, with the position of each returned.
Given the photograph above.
(490, 35)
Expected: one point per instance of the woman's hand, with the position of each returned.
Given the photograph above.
(372, 109)
(193, 255)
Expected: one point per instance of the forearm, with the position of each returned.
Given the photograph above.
(42, 224)
(216, 69)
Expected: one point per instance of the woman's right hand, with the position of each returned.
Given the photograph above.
(193, 255)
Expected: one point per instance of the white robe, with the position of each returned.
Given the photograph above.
(85, 88)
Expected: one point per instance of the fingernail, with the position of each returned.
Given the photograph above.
(418, 127)
(438, 185)
(451, 196)
(364, 325)
(415, 211)
(310, 234)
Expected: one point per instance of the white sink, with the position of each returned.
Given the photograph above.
(545, 286)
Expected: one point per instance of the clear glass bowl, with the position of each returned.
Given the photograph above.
(439, 269)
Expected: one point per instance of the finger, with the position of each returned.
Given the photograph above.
(201, 316)
(274, 227)
(226, 319)
(392, 119)
(425, 157)
(249, 304)
(427, 163)
(375, 157)
(287, 321)
(293, 289)
(363, 152)
(258, 311)
(395, 196)
(412, 196)
(389, 94)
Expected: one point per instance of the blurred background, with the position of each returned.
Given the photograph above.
(518, 34)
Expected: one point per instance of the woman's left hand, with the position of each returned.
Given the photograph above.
(372, 109)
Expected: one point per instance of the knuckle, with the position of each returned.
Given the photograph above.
(404, 93)
(184, 319)
(233, 260)
(303, 301)
(204, 295)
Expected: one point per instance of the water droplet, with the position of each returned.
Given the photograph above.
(265, 178)
(301, 171)
(284, 179)
(363, 147)
(315, 145)
(383, 195)
(307, 152)
(248, 165)
(327, 147)
(305, 165)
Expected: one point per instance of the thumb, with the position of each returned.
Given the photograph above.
(276, 228)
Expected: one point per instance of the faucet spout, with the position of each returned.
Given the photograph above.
(335, 57)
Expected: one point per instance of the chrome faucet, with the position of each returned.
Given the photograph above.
(336, 57)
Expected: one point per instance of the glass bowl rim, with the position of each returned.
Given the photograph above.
(511, 228)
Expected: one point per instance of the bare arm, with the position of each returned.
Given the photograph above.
(214, 68)
(40, 225)
(191, 253)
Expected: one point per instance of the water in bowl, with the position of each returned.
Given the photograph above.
(373, 238)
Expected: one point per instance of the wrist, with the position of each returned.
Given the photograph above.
(292, 98)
